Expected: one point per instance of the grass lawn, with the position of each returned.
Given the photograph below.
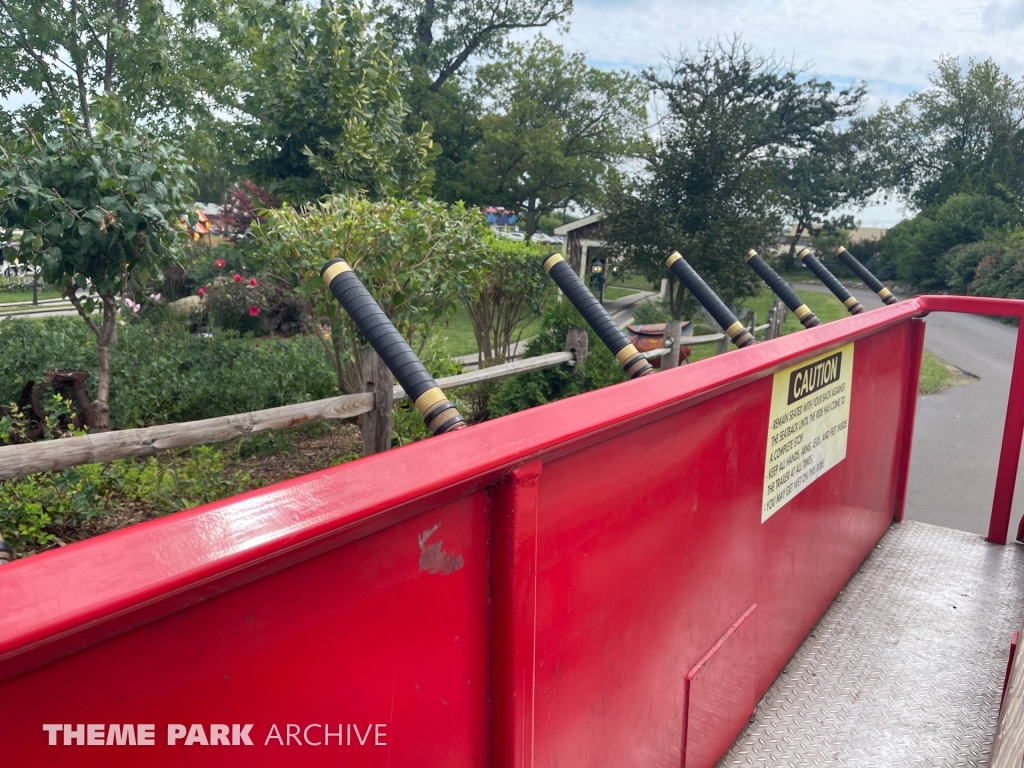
(611, 293)
(459, 333)
(634, 281)
(937, 374)
(10, 298)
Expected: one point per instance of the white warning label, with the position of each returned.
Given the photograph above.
(807, 427)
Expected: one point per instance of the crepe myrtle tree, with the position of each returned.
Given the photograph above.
(94, 211)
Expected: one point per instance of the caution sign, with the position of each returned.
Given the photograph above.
(807, 428)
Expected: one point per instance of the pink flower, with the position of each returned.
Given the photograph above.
(254, 311)
(202, 292)
(252, 282)
(236, 277)
(219, 263)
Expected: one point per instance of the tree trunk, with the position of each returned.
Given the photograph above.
(104, 341)
(531, 218)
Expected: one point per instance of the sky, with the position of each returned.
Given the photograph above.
(890, 44)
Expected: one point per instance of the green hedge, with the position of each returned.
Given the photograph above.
(162, 374)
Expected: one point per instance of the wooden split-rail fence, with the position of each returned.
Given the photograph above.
(374, 406)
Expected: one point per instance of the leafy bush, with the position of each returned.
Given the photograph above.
(39, 509)
(21, 284)
(417, 259)
(998, 269)
(651, 311)
(162, 374)
(509, 295)
(538, 387)
(913, 247)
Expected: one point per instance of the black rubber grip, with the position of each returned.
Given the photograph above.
(382, 335)
(6, 552)
(821, 272)
(781, 289)
(862, 272)
(632, 362)
(694, 283)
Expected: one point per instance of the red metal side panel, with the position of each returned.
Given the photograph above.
(637, 582)
(390, 629)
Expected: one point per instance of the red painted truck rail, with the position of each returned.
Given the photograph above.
(500, 596)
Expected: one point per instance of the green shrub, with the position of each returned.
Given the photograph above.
(509, 295)
(162, 374)
(651, 311)
(39, 509)
(538, 387)
(417, 258)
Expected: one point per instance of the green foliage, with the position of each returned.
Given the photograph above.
(554, 128)
(319, 90)
(510, 293)
(914, 246)
(840, 169)
(998, 268)
(713, 184)
(417, 259)
(95, 209)
(128, 62)
(960, 136)
(651, 311)
(538, 387)
(92, 209)
(39, 509)
(162, 374)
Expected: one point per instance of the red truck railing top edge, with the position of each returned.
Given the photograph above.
(58, 593)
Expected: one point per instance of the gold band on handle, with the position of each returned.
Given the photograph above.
(801, 312)
(625, 353)
(749, 255)
(334, 270)
(850, 302)
(804, 252)
(429, 399)
(884, 294)
(551, 260)
(672, 259)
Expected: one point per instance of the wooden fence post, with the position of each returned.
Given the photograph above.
(376, 424)
(576, 342)
(671, 339)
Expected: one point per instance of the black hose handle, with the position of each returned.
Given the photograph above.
(862, 272)
(632, 362)
(438, 413)
(831, 282)
(781, 289)
(708, 299)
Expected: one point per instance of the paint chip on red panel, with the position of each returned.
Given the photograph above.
(433, 558)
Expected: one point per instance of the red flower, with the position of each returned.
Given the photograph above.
(202, 292)
(219, 263)
(236, 277)
(254, 311)
(252, 282)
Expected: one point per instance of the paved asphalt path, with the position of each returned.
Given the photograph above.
(957, 432)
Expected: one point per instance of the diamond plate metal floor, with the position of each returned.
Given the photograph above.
(905, 668)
